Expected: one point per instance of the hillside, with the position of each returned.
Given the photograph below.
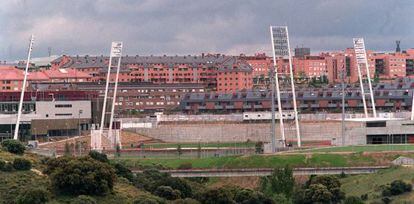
(14, 183)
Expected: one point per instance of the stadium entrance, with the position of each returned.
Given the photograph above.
(390, 139)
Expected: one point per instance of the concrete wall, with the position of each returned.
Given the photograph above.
(311, 131)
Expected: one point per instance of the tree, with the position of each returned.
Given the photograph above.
(13, 146)
(318, 193)
(98, 156)
(81, 176)
(281, 181)
(33, 196)
(167, 192)
(332, 183)
(22, 164)
(248, 196)
(216, 196)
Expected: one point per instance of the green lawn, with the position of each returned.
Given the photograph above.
(365, 148)
(263, 161)
(195, 145)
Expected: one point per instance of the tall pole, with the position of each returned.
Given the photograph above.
(114, 96)
(361, 84)
(343, 106)
(371, 93)
(279, 103)
(19, 112)
(105, 97)
(292, 83)
(412, 106)
(273, 126)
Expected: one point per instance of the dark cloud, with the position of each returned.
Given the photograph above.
(188, 26)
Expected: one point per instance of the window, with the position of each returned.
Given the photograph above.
(63, 106)
(63, 114)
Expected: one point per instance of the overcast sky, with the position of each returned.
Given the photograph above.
(195, 26)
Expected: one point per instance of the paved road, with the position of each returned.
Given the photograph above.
(268, 171)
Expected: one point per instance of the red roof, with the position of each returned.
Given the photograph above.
(66, 73)
(13, 74)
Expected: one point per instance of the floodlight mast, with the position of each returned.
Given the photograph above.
(292, 83)
(412, 105)
(105, 97)
(119, 55)
(19, 112)
(279, 103)
(361, 58)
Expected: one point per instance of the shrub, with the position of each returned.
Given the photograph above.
(216, 195)
(353, 200)
(13, 146)
(81, 176)
(318, 193)
(186, 165)
(281, 181)
(83, 199)
(99, 156)
(333, 185)
(122, 171)
(185, 201)
(8, 167)
(33, 196)
(22, 164)
(396, 187)
(148, 199)
(167, 192)
(364, 196)
(2, 164)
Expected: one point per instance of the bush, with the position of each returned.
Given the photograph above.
(99, 156)
(8, 167)
(216, 195)
(353, 200)
(185, 201)
(167, 192)
(13, 146)
(81, 176)
(33, 196)
(318, 193)
(22, 164)
(122, 171)
(2, 164)
(148, 199)
(333, 185)
(186, 165)
(396, 187)
(83, 199)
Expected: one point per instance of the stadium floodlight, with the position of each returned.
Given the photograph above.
(281, 49)
(26, 70)
(116, 50)
(117, 53)
(361, 59)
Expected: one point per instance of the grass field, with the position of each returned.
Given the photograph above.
(365, 148)
(358, 185)
(265, 161)
(195, 145)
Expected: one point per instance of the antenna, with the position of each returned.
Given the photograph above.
(19, 112)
